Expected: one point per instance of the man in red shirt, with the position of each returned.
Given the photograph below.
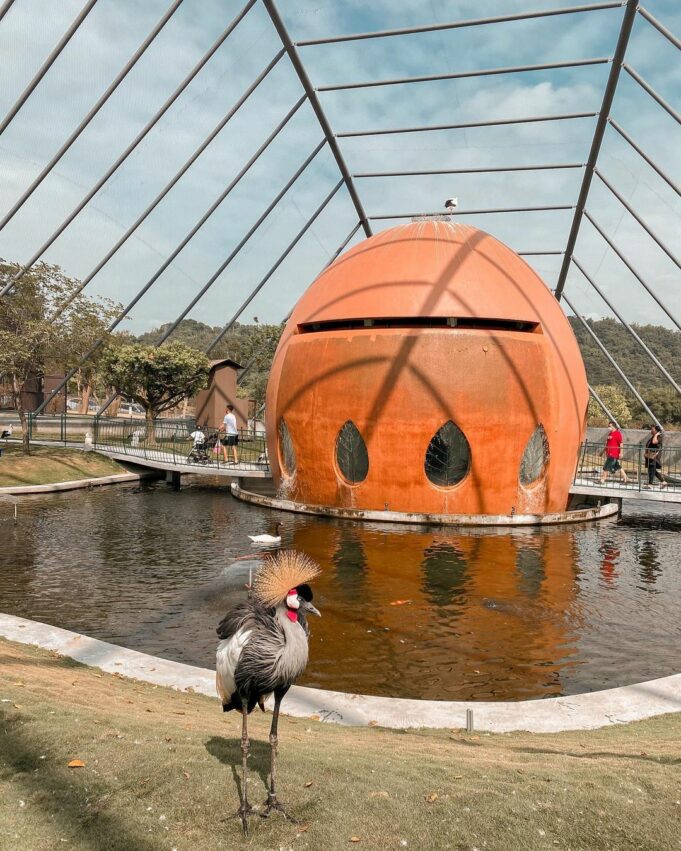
(613, 452)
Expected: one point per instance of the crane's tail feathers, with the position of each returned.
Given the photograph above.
(281, 572)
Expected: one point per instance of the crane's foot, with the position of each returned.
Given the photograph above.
(244, 811)
(272, 805)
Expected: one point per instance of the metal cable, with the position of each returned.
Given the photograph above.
(129, 65)
(47, 64)
(135, 142)
(171, 183)
(612, 360)
(631, 331)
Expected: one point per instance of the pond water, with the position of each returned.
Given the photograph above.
(407, 611)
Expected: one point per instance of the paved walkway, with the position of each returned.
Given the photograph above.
(617, 490)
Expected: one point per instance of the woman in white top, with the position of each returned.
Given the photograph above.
(231, 438)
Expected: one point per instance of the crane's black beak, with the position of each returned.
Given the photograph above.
(309, 608)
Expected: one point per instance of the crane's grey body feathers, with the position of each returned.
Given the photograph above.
(261, 651)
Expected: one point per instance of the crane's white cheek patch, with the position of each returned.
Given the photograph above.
(292, 600)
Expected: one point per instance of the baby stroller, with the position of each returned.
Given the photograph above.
(198, 453)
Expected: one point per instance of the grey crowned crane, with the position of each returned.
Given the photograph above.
(263, 650)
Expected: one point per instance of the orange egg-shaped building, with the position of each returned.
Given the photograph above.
(427, 370)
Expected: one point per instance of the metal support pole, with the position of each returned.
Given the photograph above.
(47, 64)
(643, 155)
(336, 253)
(473, 212)
(489, 170)
(98, 344)
(645, 227)
(633, 333)
(601, 403)
(129, 65)
(274, 268)
(453, 25)
(299, 68)
(466, 125)
(653, 94)
(633, 271)
(644, 13)
(213, 278)
(599, 131)
(461, 75)
(136, 141)
(612, 360)
(171, 183)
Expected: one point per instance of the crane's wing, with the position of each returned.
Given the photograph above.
(243, 616)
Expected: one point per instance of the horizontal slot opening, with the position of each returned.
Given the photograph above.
(452, 322)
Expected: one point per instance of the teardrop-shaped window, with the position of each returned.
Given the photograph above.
(448, 457)
(351, 454)
(287, 453)
(535, 457)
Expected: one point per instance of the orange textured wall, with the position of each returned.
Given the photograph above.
(400, 385)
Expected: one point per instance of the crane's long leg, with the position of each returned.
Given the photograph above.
(272, 803)
(245, 809)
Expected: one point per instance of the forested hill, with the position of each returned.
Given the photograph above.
(664, 343)
(244, 341)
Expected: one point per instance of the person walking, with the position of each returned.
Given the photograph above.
(653, 455)
(231, 437)
(613, 453)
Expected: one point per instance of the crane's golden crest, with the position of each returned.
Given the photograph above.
(281, 572)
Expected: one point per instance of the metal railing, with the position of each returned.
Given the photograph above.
(637, 469)
(168, 441)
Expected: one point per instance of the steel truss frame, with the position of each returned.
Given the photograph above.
(312, 96)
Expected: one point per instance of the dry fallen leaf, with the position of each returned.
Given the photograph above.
(381, 794)
(308, 784)
(76, 763)
(17, 705)
(186, 775)
(373, 724)
(303, 828)
(315, 718)
(400, 602)
(432, 797)
(168, 738)
(355, 839)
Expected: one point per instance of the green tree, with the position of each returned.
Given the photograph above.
(157, 378)
(615, 401)
(46, 324)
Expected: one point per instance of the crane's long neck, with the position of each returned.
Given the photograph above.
(293, 656)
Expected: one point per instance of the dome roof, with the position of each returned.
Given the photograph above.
(428, 269)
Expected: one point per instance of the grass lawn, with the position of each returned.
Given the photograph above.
(160, 773)
(49, 464)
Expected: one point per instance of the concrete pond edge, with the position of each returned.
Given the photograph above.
(551, 715)
(75, 484)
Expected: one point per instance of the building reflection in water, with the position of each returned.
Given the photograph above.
(441, 615)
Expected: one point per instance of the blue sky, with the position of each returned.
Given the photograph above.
(115, 28)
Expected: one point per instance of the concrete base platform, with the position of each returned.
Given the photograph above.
(583, 515)
(577, 712)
